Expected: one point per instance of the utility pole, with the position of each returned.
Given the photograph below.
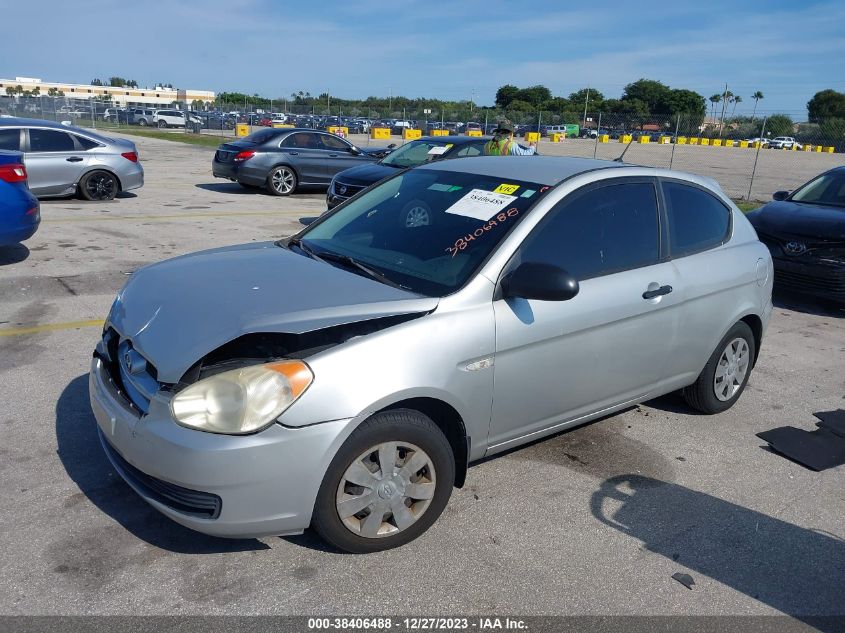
(390, 109)
(724, 104)
(586, 103)
(471, 102)
(328, 103)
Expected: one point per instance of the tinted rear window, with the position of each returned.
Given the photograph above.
(10, 139)
(697, 220)
(262, 136)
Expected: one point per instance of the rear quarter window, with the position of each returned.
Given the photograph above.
(698, 220)
(10, 139)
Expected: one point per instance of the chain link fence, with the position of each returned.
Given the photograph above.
(749, 157)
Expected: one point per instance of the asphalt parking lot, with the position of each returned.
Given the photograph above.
(592, 521)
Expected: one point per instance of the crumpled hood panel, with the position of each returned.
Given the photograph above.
(179, 310)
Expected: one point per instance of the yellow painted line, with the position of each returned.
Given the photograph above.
(97, 218)
(50, 327)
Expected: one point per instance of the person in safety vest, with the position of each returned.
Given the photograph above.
(502, 143)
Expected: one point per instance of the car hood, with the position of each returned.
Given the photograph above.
(177, 311)
(795, 219)
(366, 174)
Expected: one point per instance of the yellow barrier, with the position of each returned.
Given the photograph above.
(829, 150)
(743, 144)
(704, 141)
(682, 140)
(440, 132)
(818, 149)
(474, 133)
(242, 129)
(808, 148)
(604, 138)
(339, 130)
(409, 135)
(379, 132)
(643, 139)
(756, 145)
(729, 143)
(665, 140)
(625, 138)
(278, 125)
(557, 137)
(693, 140)
(716, 142)
(532, 137)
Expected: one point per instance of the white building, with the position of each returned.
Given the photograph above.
(120, 95)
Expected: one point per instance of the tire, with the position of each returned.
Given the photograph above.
(162, 124)
(282, 181)
(142, 122)
(709, 396)
(415, 214)
(99, 185)
(410, 438)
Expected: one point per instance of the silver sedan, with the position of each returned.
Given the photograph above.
(344, 378)
(63, 160)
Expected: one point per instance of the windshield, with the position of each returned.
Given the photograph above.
(828, 189)
(416, 153)
(426, 230)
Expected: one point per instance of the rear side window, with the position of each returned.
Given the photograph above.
(10, 139)
(86, 143)
(50, 141)
(470, 150)
(599, 231)
(697, 220)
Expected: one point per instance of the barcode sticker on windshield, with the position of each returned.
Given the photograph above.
(437, 150)
(480, 204)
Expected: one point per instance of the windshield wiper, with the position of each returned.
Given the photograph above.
(304, 248)
(354, 263)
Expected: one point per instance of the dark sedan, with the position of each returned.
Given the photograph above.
(805, 232)
(282, 159)
(429, 148)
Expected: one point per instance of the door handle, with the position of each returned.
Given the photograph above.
(658, 292)
(332, 155)
(294, 153)
(74, 159)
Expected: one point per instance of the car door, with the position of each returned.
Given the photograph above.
(559, 361)
(339, 155)
(54, 161)
(304, 152)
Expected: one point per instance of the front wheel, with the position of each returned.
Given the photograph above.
(281, 181)
(162, 124)
(142, 122)
(387, 484)
(726, 373)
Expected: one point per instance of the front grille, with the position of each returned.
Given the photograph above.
(191, 502)
(345, 190)
(128, 369)
(817, 280)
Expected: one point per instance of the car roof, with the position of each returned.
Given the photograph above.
(18, 122)
(543, 170)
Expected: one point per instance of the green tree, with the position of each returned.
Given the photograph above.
(689, 102)
(505, 95)
(518, 104)
(535, 95)
(96, 82)
(10, 91)
(756, 96)
(654, 94)
(826, 104)
(580, 98)
(779, 125)
(736, 99)
(35, 92)
(714, 99)
(832, 132)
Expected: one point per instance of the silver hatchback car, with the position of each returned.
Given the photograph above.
(345, 377)
(63, 160)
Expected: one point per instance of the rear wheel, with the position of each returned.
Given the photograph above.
(142, 122)
(162, 124)
(387, 484)
(99, 185)
(281, 181)
(724, 377)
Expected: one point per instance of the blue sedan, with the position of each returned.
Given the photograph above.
(20, 212)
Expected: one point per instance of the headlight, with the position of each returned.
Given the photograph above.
(242, 400)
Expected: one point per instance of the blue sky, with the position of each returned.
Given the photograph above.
(456, 50)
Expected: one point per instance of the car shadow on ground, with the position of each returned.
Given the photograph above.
(798, 571)
(85, 462)
(237, 189)
(807, 304)
(13, 254)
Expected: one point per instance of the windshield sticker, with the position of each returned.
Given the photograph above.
(462, 242)
(438, 150)
(506, 188)
(439, 187)
(480, 204)
(528, 193)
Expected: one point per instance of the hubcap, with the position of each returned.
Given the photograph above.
(731, 369)
(283, 180)
(417, 216)
(386, 489)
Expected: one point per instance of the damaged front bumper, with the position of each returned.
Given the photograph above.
(231, 486)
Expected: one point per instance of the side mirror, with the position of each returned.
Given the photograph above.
(780, 195)
(354, 150)
(532, 280)
(391, 146)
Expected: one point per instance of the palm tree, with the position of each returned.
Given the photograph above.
(756, 96)
(736, 99)
(714, 99)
